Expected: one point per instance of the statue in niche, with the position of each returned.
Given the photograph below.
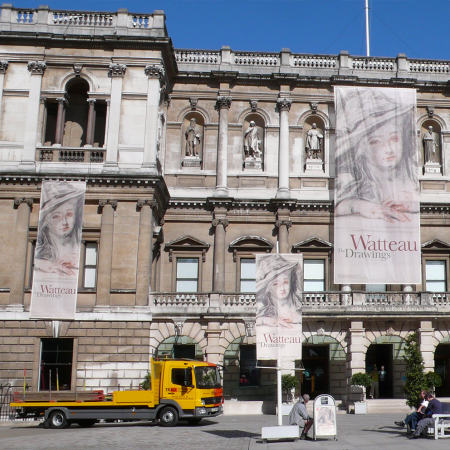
(431, 146)
(192, 135)
(314, 142)
(252, 144)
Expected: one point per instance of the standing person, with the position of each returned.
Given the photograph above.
(434, 407)
(278, 292)
(299, 416)
(412, 419)
(374, 389)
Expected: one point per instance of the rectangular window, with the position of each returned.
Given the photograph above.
(435, 275)
(90, 265)
(248, 275)
(249, 374)
(187, 275)
(314, 278)
(376, 288)
(182, 377)
(56, 364)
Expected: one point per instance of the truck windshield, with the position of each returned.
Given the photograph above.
(207, 377)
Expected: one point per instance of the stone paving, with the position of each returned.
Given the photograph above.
(366, 432)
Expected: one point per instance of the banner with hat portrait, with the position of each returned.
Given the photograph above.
(279, 281)
(377, 207)
(57, 253)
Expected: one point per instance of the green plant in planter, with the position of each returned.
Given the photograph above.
(147, 383)
(288, 383)
(433, 380)
(361, 379)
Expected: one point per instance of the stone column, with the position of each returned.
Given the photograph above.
(36, 69)
(59, 132)
(90, 123)
(42, 123)
(284, 105)
(356, 358)
(219, 254)
(283, 235)
(19, 261)
(105, 252)
(108, 104)
(3, 67)
(144, 260)
(155, 74)
(213, 351)
(223, 105)
(116, 72)
(427, 343)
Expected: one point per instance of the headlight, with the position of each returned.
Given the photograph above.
(203, 402)
(201, 411)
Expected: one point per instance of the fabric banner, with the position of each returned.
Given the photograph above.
(377, 207)
(57, 254)
(279, 281)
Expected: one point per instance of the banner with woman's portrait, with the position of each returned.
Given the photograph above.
(57, 252)
(377, 207)
(279, 281)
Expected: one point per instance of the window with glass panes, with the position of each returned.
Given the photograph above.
(436, 276)
(314, 275)
(248, 275)
(376, 288)
(187, 275)
(90, 265)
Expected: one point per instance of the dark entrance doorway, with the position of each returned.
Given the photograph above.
(442, 367)
(381, 355)
(315, 377)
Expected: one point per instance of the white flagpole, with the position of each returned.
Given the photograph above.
(367, 29)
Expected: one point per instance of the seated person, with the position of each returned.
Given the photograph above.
(412, 419)
(299, 416)
(434, 407)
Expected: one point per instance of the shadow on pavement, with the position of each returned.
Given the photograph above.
(231, 434)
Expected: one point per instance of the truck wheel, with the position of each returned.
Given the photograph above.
(58, 420)
(86, 423)
(168, 417)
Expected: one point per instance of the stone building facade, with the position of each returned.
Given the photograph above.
(195, 161)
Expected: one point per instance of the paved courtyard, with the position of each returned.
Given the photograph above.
(372, 431)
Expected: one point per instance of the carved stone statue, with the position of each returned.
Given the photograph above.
(192, 135)
(431, 145)
(252, 144)
(314, 142)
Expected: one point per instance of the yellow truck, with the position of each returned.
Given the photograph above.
(181, 389)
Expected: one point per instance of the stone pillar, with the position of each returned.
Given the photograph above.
(155, 74)
(116, 72)
(3, 67)
(284, 105)
(90, 123)
(427, 343)
(219, 254)
(105, 252)
(108, 103)
(283, 235)
(59, 132)
(356, 358)
(19, 262)
(42, 122)
(144, 259)
(223, 105)
(36, 69)
(213, 351)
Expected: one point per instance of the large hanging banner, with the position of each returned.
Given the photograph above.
(377, 208)
(279, 281)
(57, 255)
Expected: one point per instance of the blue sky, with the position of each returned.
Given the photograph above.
(418, 28)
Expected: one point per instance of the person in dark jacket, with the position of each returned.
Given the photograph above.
(434, 407)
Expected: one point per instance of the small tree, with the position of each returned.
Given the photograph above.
(147, 383)
(361, 379)
(288, 383)
(433, 381)
(415, 376)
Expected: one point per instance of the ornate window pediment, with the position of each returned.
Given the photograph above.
(313, 244)
(436, 245)
(187, 244)
(249, 244)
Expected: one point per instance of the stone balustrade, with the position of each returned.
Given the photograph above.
(200, 57)
(255, 59)
(429, 66)
(314, 62)
(374, 64)
(42, 20)
(76, 155)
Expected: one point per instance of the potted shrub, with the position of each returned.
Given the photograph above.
(288, 384)
(363, 380)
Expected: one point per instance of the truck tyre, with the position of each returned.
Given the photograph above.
(58, 420)
(168, 417)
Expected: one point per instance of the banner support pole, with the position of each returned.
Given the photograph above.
(279, 394)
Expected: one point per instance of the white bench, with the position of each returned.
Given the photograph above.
(441, 423)
(280, 432)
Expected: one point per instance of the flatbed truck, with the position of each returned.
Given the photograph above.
(181, 389)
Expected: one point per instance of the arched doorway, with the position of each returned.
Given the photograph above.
(386, 352)
(442, 366)
(179, 347)
(323, 359)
